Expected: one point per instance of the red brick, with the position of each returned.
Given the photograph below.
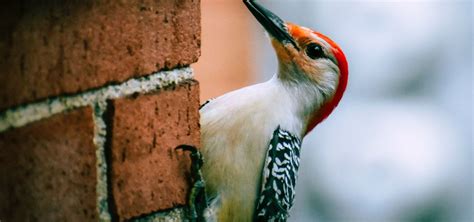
(147, 173)
(48, 170)
(52, 47)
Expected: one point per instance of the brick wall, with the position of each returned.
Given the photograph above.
(94, 97)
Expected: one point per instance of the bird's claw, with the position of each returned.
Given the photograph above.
(195, 155)
(197, 196)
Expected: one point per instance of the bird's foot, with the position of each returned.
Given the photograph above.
(197, 201)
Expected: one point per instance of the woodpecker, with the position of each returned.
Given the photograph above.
(251, 138)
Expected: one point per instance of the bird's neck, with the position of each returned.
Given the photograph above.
(306, 98)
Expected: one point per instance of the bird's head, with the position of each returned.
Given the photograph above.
(306, 57)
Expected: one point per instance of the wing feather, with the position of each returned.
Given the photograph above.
(279, 177)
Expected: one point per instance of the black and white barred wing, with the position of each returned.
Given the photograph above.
(279, 177)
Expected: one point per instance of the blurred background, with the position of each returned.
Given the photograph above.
(399, 147)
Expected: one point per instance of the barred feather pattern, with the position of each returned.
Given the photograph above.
(279, 177)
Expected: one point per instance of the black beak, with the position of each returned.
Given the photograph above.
(272, 23)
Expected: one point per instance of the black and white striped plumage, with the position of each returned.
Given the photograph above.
(279, 177)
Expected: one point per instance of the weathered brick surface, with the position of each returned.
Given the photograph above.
(147, 173)
(48, 170)
(51, 47)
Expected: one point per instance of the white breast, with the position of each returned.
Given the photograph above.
(235, 132)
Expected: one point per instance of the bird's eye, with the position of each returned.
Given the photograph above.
(314, 51)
